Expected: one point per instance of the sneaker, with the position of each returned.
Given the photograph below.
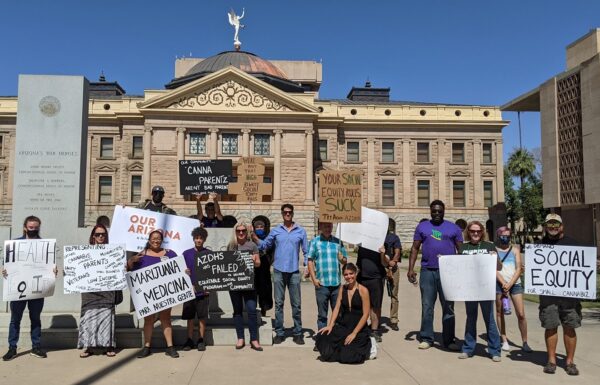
(453, 347)
(506, 347)
(496, 358)
(299, 340)
(526, 348)
(394, 327)
(171, 352)
(189, 344)
(572, 370)
(201, 346)
(463, 356)
(424, 345)
(37, 352)
(12, 353)
(550, 368)
(145, 352)
(278, 339)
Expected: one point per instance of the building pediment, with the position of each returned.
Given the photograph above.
(388, 172)
(106, 168)
(136, 166)
(488, 173)
(423, 172)
(458, 173)
(227, 90)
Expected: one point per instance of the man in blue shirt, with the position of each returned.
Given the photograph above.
(287, 238)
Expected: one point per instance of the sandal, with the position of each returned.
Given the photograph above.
(85, 354)
(550, 368)
(110, 353)
(572, 370)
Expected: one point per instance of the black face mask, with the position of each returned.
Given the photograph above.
(33, 233)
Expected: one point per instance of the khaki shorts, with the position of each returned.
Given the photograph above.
(556, 311)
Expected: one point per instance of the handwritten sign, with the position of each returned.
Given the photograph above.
(469, 277)
(131, 227)
(225, 270)
(93, 268)
(560, 271)
(340, 196)
(200, 176)
(370, 232)
(29, 265)
(159, 286)
(250, 186)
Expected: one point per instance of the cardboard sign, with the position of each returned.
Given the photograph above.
(131, 227)
(370, 232)
(340, 196)
(29, 265)
(225, 270)
(250, 186)
(202, 176)
(160, 286)
(469, 277)
(560, 271)
(93, 268)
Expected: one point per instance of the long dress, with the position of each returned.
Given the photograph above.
(331, 346)
(97, 322)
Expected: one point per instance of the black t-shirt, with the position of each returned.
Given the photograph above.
(369, 264)
(214, 222)
(564, 241)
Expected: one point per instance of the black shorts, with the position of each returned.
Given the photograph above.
(375, 288)
(195, 307)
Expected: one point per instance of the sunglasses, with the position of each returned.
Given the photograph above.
(553, 225)
(476, 231)
(99, 234)
(241, 231)
(287, 212)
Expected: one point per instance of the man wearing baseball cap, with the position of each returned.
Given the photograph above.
(555, 311)
(156, 204)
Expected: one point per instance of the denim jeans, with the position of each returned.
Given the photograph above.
(431, 287)
(16, 314)
(326, 296)
(238, 299)
(493, 337)
(292, 281)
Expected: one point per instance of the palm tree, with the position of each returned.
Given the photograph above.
(521, 163)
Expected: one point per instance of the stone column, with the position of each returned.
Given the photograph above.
(499, 172)
(441, 143)
(277, 167)
(180, 154)
(214, 143)
(146, 176)
(406, 190)
(88, 168)
(371, 199)
(477, 183)
(309, 166)
(245, 142)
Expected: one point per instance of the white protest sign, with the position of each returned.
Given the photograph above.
(370, 232)
(560, 271)
(218, 238)
(132, 226)
(159, 286)
(93, 268)
(29, 265)
(469, 277)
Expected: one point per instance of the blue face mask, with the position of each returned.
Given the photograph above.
(260, 233)
(504, 239)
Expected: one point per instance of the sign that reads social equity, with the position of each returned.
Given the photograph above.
(202, 176)
(469, 277)
(225, 270)
(340, 196)
(159, 286)
(29, 265)
(560, 271)
(92, 268)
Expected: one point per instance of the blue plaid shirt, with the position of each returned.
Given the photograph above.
(324, 253)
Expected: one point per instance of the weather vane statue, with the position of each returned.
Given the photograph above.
(234, 20)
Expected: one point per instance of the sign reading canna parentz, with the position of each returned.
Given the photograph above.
(225, 270)
(92, 268)
(29, 265)
(560, 271)
(202, 176)
(340, 196)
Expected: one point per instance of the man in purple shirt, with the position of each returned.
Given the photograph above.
(439, 237)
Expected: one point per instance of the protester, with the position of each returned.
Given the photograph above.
(288, 238)
(97, 322)
(509, 284)
(555, 311)
(476, 243)
(345, 339)
(155, 203)
(326, 254)
(393, 250)
(154, 253)
(438, 237)
(240, 242)
(31, 230)
(371, 273)
(197, 307)
(213, 217)
(262, 274)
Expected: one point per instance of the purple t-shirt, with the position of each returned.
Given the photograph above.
(190, 262)
(437, 240)
(148, 260)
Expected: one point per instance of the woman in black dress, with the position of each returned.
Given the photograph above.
(262, 274)
(345, 339)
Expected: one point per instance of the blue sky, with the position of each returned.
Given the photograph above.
(473, 52)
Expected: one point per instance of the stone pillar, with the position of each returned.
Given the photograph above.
(441, 143)
(277, 167)
(214, 143)
(146, 176)
(309, 166)
(11, 166)
(88, 167)
(499, 172)
(371, 199)
(180, 153)
(245, 142)
(406, 193)
(477, 183)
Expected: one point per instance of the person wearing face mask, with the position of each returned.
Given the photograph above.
(262, 273)
(508, 284)
(156, 204)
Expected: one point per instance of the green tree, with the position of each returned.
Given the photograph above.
(531, 197)
(521, 164)
(511, 199)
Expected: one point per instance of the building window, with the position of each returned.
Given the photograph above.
(105, 189)
(323, 149)
(262, 144)
(486, 151)
(137, 150)
(136, 188)
(387, 152)
(387, 193)
(458, 152)
(488, 193)
(422, 152)
(458, 193)
(352, 152)
(423, 193)
(106, 148)
(197, 143)
(229, 145)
